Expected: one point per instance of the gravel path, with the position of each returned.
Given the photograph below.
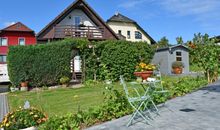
(3, 106)
(196, 111)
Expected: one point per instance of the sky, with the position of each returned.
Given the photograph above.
(170, 18)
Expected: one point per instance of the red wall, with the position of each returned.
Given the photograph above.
(13, 37)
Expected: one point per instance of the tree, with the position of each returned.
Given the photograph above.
(206, 55)
(179, 40)
(163, 42)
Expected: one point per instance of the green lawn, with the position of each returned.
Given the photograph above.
(60, 101)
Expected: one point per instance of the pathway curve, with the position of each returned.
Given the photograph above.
(3, 106)
(196, 111)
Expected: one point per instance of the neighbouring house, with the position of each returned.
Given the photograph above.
(217, 39)
(78, 20)
(13, 35)
(166, 56)
(128, 29)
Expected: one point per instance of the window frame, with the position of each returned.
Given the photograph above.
(1, 41)
(20, 39)
(179, 57)
(2, 58)
(129, 34)
(75, 20)
(120, 32)
(138, 35)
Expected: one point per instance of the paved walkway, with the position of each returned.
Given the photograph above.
(3, 106)
(197, 111)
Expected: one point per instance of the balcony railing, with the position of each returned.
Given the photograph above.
(90, 32)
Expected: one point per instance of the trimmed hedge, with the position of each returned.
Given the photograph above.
(110, 59)
(41, 64)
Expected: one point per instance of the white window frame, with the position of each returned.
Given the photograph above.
(20, 39)
(139, 33)
(1, 41)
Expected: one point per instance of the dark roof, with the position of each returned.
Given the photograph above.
(120, 18)
(123, 19)
(171, 47)
(76, 4)
(17, 27)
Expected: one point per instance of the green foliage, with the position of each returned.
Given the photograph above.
(164, 42)
(42, 64)
(110, 59)
(22, 118)
(116, 105)
(205, 54)
(64, 80)
(179, 40)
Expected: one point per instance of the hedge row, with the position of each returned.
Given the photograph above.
(41, 64)
(46, 64)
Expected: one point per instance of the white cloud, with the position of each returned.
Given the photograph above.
(8, 23)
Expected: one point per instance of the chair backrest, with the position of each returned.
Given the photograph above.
(124, 85)
(157, 73)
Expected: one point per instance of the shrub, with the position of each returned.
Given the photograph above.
(41, 64)
(22, 118)
(177, 64)
(64, 80)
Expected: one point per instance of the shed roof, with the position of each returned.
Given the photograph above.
(172, 47)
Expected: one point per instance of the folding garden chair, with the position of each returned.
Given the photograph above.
(138, 103)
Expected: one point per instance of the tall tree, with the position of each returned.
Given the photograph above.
(179, 40)
(163, 42)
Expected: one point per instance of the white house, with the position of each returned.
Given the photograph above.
(128, 29)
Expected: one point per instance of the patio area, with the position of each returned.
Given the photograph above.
(196, 111)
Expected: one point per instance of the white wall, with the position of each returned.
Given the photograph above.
(77, 12)
(124, 27)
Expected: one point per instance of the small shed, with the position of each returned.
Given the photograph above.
(166, 56)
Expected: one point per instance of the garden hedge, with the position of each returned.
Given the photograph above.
(41, 64)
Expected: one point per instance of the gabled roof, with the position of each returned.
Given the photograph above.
(170, 48)
(87, 9)
(123, 19)
(17, 27)
(120, 18)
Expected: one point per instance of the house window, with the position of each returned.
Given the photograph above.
(119, 32)
(3, 58)
(138, 35)
(128, 34)
(3, 41)
(21, 41)
(178, 56)
(77, 20)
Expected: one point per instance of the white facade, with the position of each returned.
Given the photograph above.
(70, 19)
(4, 73)
(125, 27)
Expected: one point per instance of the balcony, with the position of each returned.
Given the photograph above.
(89, 32)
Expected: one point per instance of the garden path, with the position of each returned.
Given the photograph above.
(3, 106)
(196, 111)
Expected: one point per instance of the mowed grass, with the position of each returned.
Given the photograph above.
(60, 101)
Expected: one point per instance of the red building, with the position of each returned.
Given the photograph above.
(16, 34)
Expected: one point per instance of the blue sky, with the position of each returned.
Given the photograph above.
(170, 18)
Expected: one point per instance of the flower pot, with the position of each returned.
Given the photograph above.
(24, 84)
(178, 70)
(144, 75)
(24, 89)
(30, 128)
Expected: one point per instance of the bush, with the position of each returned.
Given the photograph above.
(23, 118)
(110, 59)
(64, 80)
(41, 64)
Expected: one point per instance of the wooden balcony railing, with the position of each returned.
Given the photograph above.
(90, 32)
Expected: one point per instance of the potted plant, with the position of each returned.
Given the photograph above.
(64, 81)
(177, 67)
(24, 82)
(23, 119)
(144, 70)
